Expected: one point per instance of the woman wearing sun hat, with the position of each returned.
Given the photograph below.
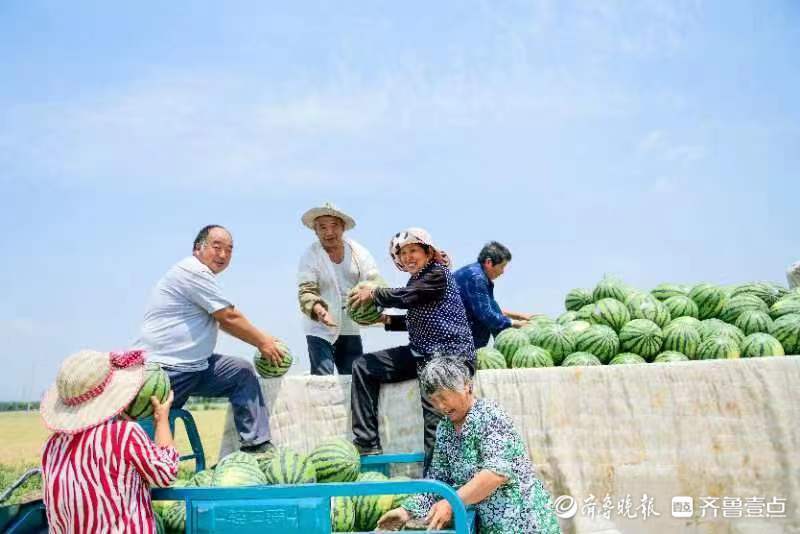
(327, 271)
(437, 326)
(97, 467)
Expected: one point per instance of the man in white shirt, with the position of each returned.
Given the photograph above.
(328, 269)
(183, 316)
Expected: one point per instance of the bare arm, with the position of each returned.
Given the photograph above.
(161, 418)
(233, 322)
(519, 316)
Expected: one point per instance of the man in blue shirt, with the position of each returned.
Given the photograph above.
(476, 284)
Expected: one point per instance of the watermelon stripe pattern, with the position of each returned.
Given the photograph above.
(577, 299)
(367, 313)
(532, 356)
(156, 382)
(490, 358)
(336, 460)
(626, 358)
(611, 312)
(758, 345)
(682, 338)
(556, 340)
(289, 467)
(671, 356)
(734, 307)
(786, 305)
(754, 321)
(665, 291)
(238, 469)
(343, 514)
(267, 369)
(509, 341)
(642, 337)
(609, 288)
(709, 299)
(579, 359)
(786, 330)
(599, 340)
(718, 348)
(681, 306)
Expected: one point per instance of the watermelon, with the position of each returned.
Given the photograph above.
(786, 329)
(567, 317)
(732, 332)
(643, 337)
(786, 305)
(626, 358)
(585, 313)
(681, 306)
(531, 356)
(490, 358)
(540, 320)
(370, 508)
(610, 288)
(734, 307)
(752, 321)
(202, 479)
(336, 460)
(509, 341)
(599, 340)
(610, 312)
(664, 291)
(687, 321)
(160, 528)
(557, 340)
(645, 306)
(290, 467)
(576, 327)
(367, 313)
(718, 348)
(264, 458)
(156, 383)
(266, 369)
(682, 338)
(174, 517)
(238, 469)
(710, 327)
(709, 299)
(577, 359)
(577, 299)
(766, 291)
(759, 344)
(343, 514)
(671, 356)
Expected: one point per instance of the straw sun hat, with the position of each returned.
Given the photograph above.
(330, 210)
(91, 388)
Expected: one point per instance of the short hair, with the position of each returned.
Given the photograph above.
(202, 235)
(445, 373)
(494, 251)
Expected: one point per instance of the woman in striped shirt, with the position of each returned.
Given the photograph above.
(98, 466)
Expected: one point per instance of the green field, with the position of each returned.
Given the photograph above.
(23, 435)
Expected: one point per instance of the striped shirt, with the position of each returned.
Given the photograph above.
(99, 480)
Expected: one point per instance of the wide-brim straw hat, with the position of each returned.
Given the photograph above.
(329, 210)
(415, 235)
(91, 388)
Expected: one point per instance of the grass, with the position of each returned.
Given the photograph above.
(23, 436)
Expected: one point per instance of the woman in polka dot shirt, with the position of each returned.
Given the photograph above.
(437, 326)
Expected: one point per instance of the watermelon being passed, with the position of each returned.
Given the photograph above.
(156, 383)
(267, 369)
(367, 313)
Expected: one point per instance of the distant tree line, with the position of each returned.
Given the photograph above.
(194, 403)
(18, 406)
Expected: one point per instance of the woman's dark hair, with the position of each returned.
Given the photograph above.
(202, 235)
(495, 252)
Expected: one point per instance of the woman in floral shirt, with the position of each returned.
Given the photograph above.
(479, 451)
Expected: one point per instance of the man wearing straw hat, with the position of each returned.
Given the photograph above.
(97, 466)
(183, 316)
(328, 269)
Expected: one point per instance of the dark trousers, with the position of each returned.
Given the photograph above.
(386, 367)
(323, 356)
(234, 378)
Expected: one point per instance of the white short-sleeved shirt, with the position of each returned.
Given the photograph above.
(346, 277)
(179, 331)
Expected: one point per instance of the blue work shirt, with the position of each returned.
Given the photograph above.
(483, 313)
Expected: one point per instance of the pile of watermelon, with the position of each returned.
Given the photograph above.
(333, 460)
(617, 324)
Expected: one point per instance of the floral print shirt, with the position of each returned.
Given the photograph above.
(488, 440)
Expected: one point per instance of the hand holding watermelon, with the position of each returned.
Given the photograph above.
(394, 519)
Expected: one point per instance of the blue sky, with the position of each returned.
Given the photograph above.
(655, 141)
